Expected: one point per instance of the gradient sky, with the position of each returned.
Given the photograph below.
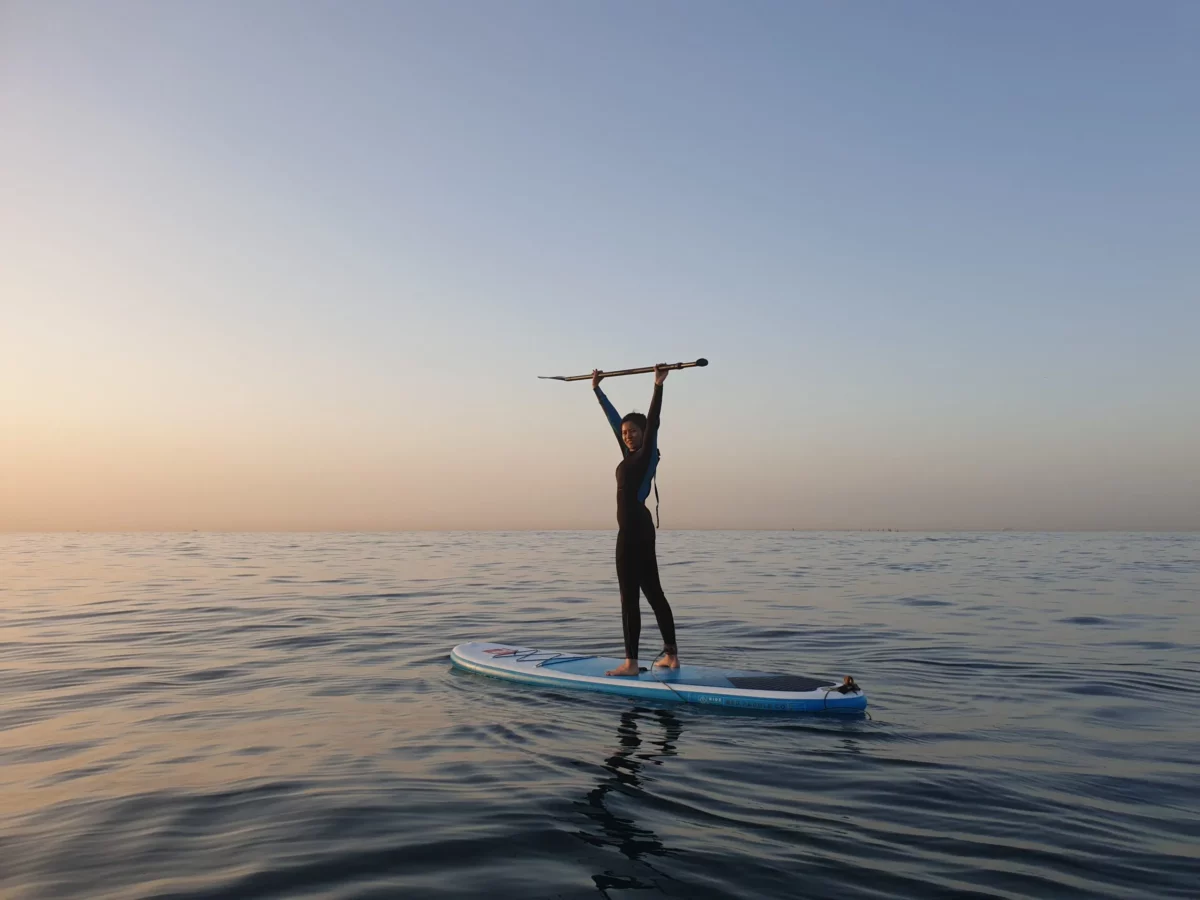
(289, 265)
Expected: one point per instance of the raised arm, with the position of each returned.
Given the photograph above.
(653, 417)
(650, 439)
(610, 412)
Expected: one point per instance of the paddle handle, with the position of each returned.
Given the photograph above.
(641, 371)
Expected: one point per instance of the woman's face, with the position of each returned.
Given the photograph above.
(631, 435)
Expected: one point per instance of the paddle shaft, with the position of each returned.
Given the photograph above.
(642, 371)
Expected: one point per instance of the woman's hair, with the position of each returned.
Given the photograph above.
(638, 419)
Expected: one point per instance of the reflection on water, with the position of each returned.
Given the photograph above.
(276, 716)
(624, 768)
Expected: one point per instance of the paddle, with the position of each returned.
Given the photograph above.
(642, 371)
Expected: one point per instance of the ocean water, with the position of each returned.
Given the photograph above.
(203, 716)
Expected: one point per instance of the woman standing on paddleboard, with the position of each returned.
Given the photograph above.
(637, 565)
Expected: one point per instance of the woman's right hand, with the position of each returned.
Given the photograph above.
(597, 377)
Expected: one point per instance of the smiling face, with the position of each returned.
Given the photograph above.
(632, 435)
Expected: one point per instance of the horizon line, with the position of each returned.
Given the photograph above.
(1006, 530)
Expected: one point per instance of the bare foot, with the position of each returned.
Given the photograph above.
(629, 667)
(669, 661)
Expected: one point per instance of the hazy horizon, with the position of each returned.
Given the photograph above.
(600, 530)
(296, 267)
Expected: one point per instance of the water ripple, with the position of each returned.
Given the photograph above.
(275, 715)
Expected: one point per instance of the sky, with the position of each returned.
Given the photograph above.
(296, 265)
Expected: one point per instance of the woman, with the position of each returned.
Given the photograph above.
(637, 566)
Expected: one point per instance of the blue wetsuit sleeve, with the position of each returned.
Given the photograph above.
(614, 417)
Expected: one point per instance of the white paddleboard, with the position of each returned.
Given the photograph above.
(704, 685)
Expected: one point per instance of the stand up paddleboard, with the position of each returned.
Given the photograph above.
(704, 685)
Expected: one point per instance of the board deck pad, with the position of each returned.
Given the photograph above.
(703, 685)
(794, 683)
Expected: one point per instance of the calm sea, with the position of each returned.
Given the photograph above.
(196, 716)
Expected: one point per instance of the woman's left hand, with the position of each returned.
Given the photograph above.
(660, 373)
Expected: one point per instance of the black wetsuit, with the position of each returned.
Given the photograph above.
(637, 565)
